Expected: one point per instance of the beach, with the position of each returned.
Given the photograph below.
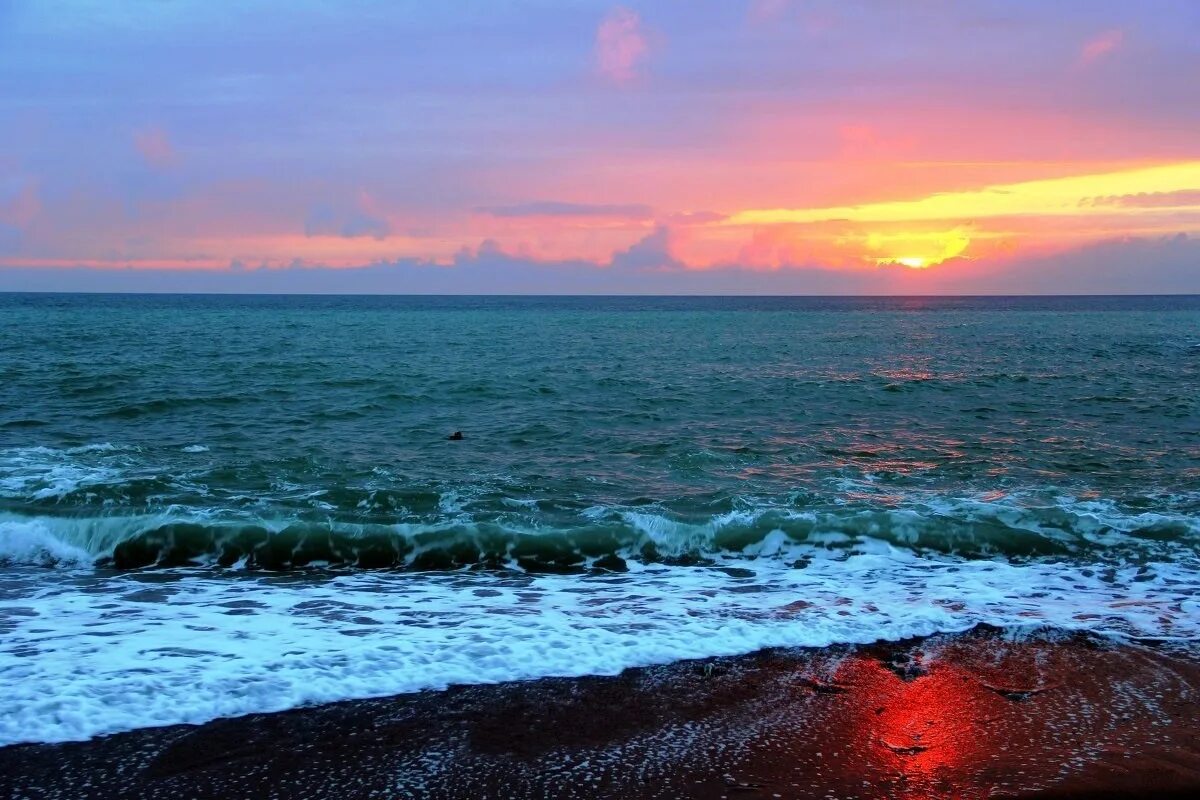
(979, 714)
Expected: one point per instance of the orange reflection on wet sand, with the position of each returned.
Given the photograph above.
(925, 729)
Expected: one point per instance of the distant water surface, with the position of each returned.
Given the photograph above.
(214, 505)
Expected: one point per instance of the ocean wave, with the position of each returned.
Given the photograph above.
(110, 503)
(600, 537)
(34, 542)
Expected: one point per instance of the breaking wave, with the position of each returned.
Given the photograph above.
(599, 537)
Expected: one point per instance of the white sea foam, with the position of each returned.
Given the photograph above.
(85, 654)
(195, 448)
(99, 447)
(43, 473)
(33, 542)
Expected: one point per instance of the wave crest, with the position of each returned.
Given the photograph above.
(599, 538)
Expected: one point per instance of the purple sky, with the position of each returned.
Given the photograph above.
(811, 146)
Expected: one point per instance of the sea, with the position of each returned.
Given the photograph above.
(212, 506)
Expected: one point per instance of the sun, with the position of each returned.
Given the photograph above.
(917, 249)
(912, 262)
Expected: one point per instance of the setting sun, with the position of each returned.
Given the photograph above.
(916, 250)
(915, 262)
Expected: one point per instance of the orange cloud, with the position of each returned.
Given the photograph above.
(846, 247)
(1040, 216)
(620, 45)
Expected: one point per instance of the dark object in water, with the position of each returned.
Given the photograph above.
(456, 436)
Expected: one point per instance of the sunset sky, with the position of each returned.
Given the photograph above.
(797, 146)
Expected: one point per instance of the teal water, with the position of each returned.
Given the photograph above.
(921, 464)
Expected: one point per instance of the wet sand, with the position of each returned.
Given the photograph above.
(974, 715)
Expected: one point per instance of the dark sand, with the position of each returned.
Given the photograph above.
(974, 715)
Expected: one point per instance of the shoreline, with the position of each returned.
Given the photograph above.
(978, 714)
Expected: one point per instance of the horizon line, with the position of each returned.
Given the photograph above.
(152, 292)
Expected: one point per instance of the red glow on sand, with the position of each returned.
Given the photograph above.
(927, 727)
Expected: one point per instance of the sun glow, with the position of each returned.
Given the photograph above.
(1074, 196)
(914, 262)
(916, 250)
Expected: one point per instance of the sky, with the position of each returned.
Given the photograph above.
(572, 146)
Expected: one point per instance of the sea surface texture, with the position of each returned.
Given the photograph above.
(211, 506)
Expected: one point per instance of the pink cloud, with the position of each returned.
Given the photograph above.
(1100, 46)
(866, 142)
(767, 10)
(19, 207)
(619, 211)
(620, 45)
(155, 148)
(365, 217)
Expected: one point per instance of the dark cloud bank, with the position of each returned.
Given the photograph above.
(1132, 266)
